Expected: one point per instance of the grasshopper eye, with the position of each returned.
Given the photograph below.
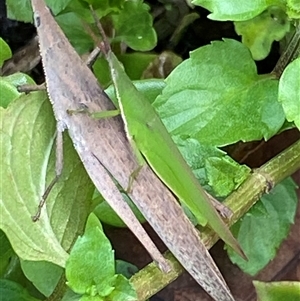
(37, 20)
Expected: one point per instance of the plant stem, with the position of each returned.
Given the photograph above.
(151, 280)
(291, 52)
(59, 290)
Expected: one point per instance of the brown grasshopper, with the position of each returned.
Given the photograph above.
(105, 152)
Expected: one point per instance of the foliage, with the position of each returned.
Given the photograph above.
(230, 87)
(90, 268)
(259, 33)
(212, 99)
(5, 53)
(14, 291)
(119, 12)
(271, 218)
(289, 92)
(236, 10)
(276, 291)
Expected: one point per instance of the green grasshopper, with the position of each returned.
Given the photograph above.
(151, 141)
(99, 143)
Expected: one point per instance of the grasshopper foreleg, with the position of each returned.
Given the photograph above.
(95, 115)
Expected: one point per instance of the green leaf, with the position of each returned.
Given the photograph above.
(217, 172)
(14, 272)
(123, 291)
(217, 97)
(14, 291)
(21, 9)
(224, 174)
(136, 63)
(24, 138)
(104, 7)
(101, 71)
(8, 87)
(18, 79)
(43, 275)
(90, 268)
(134, 26)
(236, 10)
(57, 6)
(259, 33)
(263, 228)
(289, 92)
(70, 199)
(162, 65)
(8, 93)
(80, 8)
(6, 253)
(277, 291)
(72, 26)
(293, 9)
(27, 135)
(5, 52)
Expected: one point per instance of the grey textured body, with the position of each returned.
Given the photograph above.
(102, 145)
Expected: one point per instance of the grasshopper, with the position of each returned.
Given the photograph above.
(105, 152)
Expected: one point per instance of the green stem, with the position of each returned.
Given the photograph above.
(151, 280)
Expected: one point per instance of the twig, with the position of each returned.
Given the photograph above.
(240, 201)
(291, 52)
